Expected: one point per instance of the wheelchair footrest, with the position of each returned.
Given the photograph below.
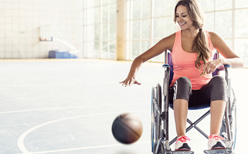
(222, 151)
(181, 152)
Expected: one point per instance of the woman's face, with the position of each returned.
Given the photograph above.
(183, 18)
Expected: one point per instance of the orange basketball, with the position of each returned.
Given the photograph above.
(127, 128)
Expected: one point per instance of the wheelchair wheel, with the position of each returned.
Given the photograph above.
(156, 101)
(160, 149)
(232, 121)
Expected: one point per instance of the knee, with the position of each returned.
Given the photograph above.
(218, 85)
(182, 89)
(218, 80)
(185, 82)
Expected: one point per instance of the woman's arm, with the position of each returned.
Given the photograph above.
(160, 47)
(229, 56)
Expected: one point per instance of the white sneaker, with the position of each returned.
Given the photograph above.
(216, 142)
(182, 144)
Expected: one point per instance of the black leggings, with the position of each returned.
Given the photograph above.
(214, 90)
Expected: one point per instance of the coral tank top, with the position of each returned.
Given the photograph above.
(184, 64)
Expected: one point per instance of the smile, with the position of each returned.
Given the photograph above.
(181, 24)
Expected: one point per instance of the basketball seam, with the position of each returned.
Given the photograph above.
(130, 129)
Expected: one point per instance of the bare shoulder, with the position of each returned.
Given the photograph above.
(213, 34)
(215, 38)
(169, 41)
(221, 46)
(172, 36)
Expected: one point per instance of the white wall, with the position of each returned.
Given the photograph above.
(21, 20)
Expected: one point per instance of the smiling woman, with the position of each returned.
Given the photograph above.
(187, 15)
(192, 50)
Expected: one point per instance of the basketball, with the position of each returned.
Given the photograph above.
(127, 128)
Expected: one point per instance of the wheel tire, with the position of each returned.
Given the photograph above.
(155, 123)
(233, 124)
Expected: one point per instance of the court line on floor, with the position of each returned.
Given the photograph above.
(20, 141)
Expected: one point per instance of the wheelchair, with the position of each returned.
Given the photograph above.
(160, 106)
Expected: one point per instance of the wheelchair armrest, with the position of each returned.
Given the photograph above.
(227, 65)
(222, 68)
(166, 65)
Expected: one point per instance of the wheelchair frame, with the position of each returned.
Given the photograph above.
(160, 117)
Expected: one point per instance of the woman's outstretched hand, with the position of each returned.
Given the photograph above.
(129, 81)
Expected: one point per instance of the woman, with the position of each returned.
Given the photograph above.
(192, 54)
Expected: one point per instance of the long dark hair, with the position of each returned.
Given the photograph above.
(200, 45)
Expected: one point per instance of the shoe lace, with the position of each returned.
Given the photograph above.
(216, 137)
(183, 139)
